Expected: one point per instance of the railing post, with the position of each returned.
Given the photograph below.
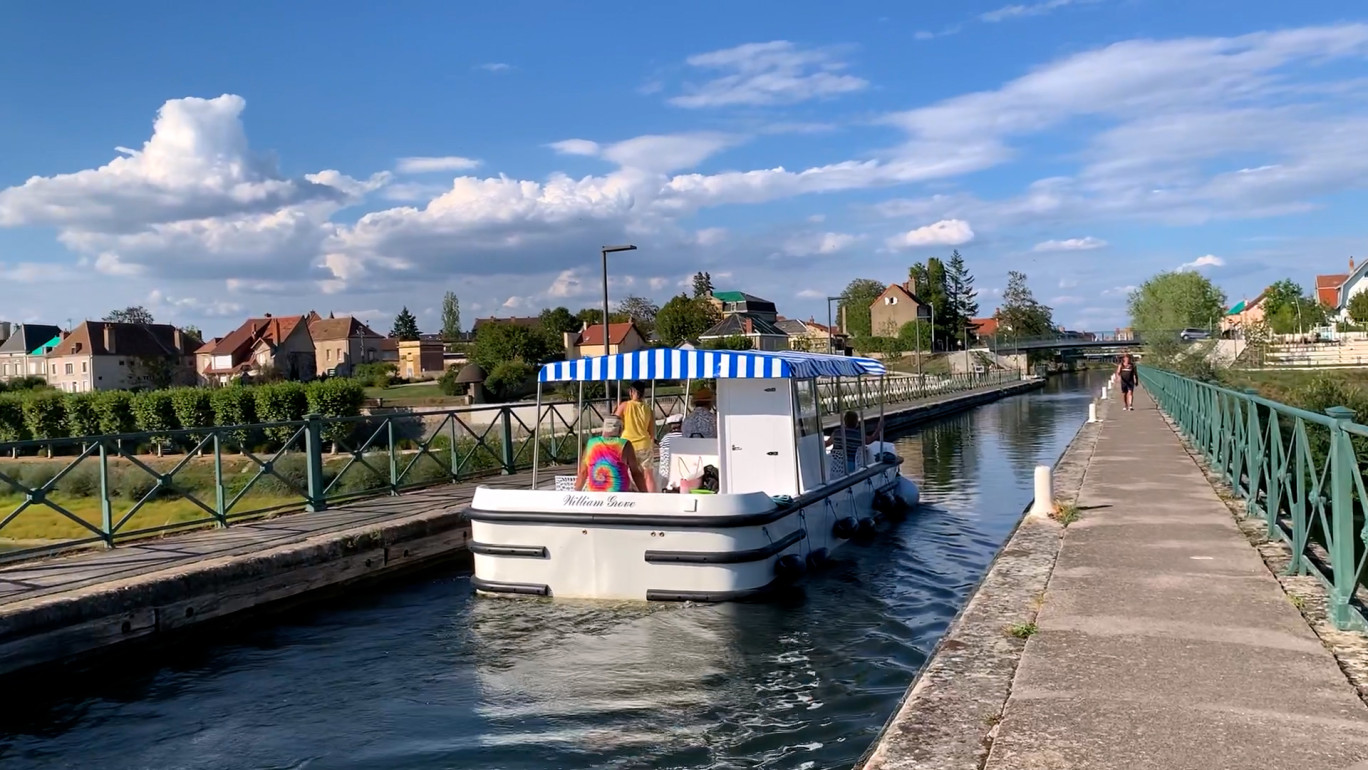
(1341, 545)
(506, 420)
(313, 455)
(393, 455)
(220, 497)
(106, 508)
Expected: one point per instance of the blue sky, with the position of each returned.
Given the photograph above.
(215, 162)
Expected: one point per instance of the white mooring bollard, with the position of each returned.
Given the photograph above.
(1104, 392)
(1092, 411)
(1044, 492)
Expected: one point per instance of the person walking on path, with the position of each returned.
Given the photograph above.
(638, 427)
(1126, 373)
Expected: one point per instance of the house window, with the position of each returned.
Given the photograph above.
(84, 366)
(890, 300)
(70, 369)
(329, 355)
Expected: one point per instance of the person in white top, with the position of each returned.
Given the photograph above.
(672, 427)
(702, 421)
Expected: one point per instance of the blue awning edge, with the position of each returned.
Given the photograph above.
(677, 364)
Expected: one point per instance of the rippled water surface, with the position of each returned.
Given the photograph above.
(425, 675)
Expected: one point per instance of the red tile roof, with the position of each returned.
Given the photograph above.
(984, 327)
(593, 335)
(1328, 286)
(342, 328)
(138, 340)
(271, 329)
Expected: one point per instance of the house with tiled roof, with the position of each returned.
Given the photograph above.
(739, 302)
(280, 344)
(897, 306)
(104, 355)
(1329, 287)
(763, 334)
(810, 336)
(342, 343)
(622, 338)
(22, 351)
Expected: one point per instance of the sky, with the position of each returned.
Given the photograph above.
(213, 162)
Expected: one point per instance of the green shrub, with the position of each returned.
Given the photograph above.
(291, 477)
(194, 407)
(235, 405)
(82, 414)
(45, 414)
(281, 402)
(335, 398)
(377, 374)
(509, 380)
(82, 481)
(155, 412)
(115, 409)
(29, 382)
(35, 475)
(132, 484)
(448, 382)
(12, 427)
(361, 478)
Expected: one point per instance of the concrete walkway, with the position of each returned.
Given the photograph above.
(1163, 640)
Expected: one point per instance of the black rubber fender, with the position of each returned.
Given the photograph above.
(845, 528)
(817, 558)
(866, 528)
(790, 567)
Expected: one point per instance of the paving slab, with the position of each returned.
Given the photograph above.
(1163, 641)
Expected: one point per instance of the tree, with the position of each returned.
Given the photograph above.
(641, 311)
(915, 335)
(594, 315)
(496, 343)
(1358, 307)
(963, 297)
(930, 285)
(190, 330)
(451, 317)
(734, 342)
(405, 326)
(702, 285)
(559, 321)
(859, 294)
(683, 319)
(1170, 302)
(133, 314)
(1288, 309)
(1021, 315)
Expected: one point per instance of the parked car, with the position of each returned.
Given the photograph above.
(1191, 335)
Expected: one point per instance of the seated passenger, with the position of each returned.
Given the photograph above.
(701, 422)
(848, 441)
(673, 426)
(609, 464)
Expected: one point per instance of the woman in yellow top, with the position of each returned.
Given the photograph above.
(638, 427)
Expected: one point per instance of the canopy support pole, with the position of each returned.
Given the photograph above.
(579, 428)
(536, 436)
(860, 396)
(883, 396)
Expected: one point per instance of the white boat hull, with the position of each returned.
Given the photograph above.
(662, 547)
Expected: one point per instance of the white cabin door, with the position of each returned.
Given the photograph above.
(757, 436)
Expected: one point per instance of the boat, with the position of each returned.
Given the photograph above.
(783, 501)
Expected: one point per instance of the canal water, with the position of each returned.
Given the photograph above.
(425, 675)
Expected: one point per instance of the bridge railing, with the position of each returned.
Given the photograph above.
(1300, 471)
(61, 493)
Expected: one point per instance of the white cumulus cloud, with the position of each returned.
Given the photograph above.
(777, 72)
(1071, 244)
(575, 147)
(427, 165)
(947, 232)
(1210, 260)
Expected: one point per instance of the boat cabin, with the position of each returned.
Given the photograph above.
(769, 411)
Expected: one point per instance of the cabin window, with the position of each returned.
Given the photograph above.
(807, 415)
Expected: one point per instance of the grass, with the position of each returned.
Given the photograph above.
(41, 523)
(1022, 630)
(414, 394)
(1298, 602)
(1066, 513)
(938, 363)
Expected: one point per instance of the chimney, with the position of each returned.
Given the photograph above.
(268, 315)
(1351, 264)
(176, 339)
(911, 285)
(109, 338)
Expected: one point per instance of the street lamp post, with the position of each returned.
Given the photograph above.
(831, 340)
(604, 252)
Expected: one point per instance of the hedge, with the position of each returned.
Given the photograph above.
(51, 414)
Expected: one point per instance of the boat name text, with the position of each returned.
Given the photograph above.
(588, 501)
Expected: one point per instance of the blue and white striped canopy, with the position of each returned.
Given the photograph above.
(677, 364)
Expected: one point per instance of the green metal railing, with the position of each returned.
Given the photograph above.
(57, 494)
(1300, 471)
